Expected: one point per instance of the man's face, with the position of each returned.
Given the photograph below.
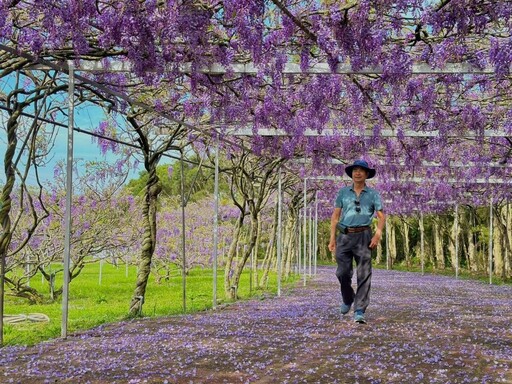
(359, 174)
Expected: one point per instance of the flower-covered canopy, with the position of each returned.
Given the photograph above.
(419, 89)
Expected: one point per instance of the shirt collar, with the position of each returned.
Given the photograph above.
(363, 190)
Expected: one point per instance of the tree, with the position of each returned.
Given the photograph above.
(17, 101)
(198, 180)
(151, 192)
(252, 180)
(199, 248)
(103, 221)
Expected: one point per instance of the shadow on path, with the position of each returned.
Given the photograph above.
(421, 329)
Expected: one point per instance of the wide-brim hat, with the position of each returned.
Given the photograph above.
(362, 164)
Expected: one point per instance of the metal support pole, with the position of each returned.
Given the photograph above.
(255, 266)
(299, 242)
(183, 238)
(310, 241)
(316, 231)
(216, 224)
(304, 232)
(422, 243)
(101, 271)
(387, 243)
(69, 197)
(491, 219)
(279, 225)
(251, 270)
(456, 241)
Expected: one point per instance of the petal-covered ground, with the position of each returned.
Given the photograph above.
(421, 329)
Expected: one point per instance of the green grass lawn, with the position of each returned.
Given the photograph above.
(92, 302)
(449, 271)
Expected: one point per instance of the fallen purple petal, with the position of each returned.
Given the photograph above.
(421, 329)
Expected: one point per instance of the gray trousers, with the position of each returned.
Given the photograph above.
(350, 247)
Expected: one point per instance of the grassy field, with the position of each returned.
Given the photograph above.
(463, 273)
(94, 301)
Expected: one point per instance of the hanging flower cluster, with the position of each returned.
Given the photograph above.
(383, 108)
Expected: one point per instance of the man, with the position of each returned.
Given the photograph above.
(353, 212)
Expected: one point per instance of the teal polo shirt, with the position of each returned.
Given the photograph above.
(369, 201)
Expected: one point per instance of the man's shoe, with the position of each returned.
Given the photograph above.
(345, 308)
(359, 317)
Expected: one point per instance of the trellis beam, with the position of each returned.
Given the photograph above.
(424, 163)
(289, 68)
(249, 131)
(420, 180)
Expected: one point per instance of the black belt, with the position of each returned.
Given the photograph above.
(354, 229)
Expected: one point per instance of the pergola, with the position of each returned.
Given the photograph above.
(70, 69)
(230, 130)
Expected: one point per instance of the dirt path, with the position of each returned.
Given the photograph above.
(421, 329)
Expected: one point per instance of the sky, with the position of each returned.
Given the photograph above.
(84, 149)
(85, 117)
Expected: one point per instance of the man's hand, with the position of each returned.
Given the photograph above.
(375, 239)
(332, 245)
(335, 218)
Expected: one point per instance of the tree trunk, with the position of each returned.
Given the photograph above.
(407, 251)
(246, 254)
(29, 293)
(421, 226)
(291, 234)
(228, 268)
(438, 243)
(153, 188)
(471, 257)
(499, 244)
(5, 207)
(463, 251)
(269, 254)
(508, 242)
(378, 259)
(454, 234)
(392, 244)
(256, 248)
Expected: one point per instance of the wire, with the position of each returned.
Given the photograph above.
(61, 125)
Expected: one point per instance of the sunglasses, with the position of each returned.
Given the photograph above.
(358, 208)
